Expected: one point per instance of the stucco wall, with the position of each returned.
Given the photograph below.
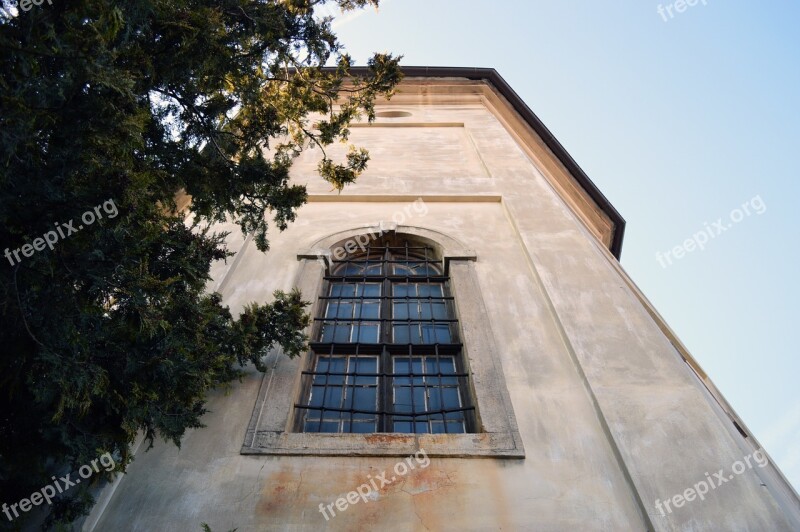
(610, 415)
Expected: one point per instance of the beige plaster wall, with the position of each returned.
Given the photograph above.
(611, 417)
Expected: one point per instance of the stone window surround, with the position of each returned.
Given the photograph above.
(269, 430)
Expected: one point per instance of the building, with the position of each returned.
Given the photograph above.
(470, 277)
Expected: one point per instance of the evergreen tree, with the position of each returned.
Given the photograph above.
(109, 330)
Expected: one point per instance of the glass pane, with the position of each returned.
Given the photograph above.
(362, 427)
(447, 364)
(432, 334)
(407, 381)
(400, 333)
(402, 268)
(316, 395)
(417, 268)
(341, 290)
(414, 334)
(434, 398)
(437, 427)
(401, 365)
(375, 269)
(439, 311)
(341, 332)
(450, 398)
(430, 290)
(402, 399)
(403, 396)
(333, 397)
(430, 269)
(447, 367)
(402, 426)
(327, 426)
(333, 308)
(428, 333)
(400, 311)
(327, 333)
(351, 269)
(426, 310)
(403, 290)
(455, 427)
(368, 333)
(443, 334)
(368, 310)
(366, 365)
(369, 290)
(345, 310)
(430, 366)
(365, 398)
(405, 425)
(336, 365)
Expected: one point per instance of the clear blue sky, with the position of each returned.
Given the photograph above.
(678, 122)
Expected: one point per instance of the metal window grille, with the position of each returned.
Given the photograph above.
(387, 355)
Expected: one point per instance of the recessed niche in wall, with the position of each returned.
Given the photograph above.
(392, 114)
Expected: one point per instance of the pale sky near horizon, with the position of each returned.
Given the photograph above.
(680, 121)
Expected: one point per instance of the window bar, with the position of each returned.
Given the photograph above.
(384, 391)
(353, 388)
(387, 332)
(405, 414)
(411, 381)
(338, 306)
(440, 388)
(325, 388)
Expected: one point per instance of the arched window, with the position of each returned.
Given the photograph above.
(386, 353)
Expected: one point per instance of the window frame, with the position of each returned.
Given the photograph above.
(270, 431)
(387, 253)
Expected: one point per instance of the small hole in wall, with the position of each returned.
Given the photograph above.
(392, 114)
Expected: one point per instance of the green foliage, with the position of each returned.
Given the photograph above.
(112, 332)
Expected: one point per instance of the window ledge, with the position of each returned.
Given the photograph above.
(501, 445)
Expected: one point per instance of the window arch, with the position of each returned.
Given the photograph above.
(386, 354)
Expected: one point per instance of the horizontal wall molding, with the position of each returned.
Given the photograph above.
(398, 198)
(407, 124)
